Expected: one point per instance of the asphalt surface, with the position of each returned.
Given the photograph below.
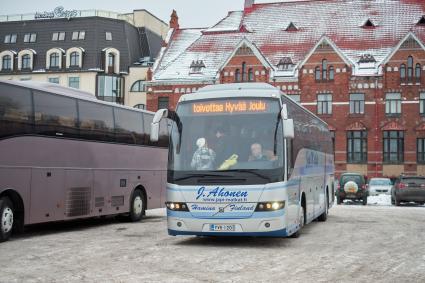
(374, 243)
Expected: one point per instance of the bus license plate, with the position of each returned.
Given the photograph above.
(222, 227)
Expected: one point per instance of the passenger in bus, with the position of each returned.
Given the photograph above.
(222, 145)
(257, 153)
(204, 157)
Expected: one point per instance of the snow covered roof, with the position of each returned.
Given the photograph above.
(341, 22)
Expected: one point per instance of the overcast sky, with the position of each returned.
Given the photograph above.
(192, 13)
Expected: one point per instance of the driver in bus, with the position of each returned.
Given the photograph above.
(257, 153)
(204, 157)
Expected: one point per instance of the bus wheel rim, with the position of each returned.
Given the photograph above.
(7, 220)
(137, 205)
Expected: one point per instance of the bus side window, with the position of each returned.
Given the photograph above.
(16, 117)
(128, 126)
(96, 121)
(147, 120)
(55, 115)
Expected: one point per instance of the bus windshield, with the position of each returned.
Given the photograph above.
(228, 136)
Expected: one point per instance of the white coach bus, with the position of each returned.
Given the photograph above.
(245, 160)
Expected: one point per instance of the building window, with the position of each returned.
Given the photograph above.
(30, 37)
(393, 104)
(410, 68)
(420, 148)
(163, 102)
(54, 60)
(74, 82)
(237, 75)
(6, 63)
(324, 104)
(10, 38)
(78, 35)
(324, 69)
(54, 80)
(26, 62)
(418, 73)
(111, 63)
(138, 86)
(403, 72)
(357, 103)
(331, 73)
(422, 103)
(110, 88)
(317, 73)
(74, 59)
(356, 146)
(244, 72)
(393, 146)
(251, 75)
(58, 36)
(140, 106)
(108, 36)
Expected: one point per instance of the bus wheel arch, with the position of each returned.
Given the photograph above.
(19, 209)
(138, 203)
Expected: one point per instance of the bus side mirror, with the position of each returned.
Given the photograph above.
(288, 124)
(159, 115)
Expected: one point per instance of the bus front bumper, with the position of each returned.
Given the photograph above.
(250, 227)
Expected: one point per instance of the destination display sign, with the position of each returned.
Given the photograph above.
(230, 106)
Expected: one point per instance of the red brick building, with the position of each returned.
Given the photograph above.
(359, 65)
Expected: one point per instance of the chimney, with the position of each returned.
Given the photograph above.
(149, 74)
(249, 4)
(174, 20)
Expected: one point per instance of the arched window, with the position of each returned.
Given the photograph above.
(410, 68)
(26, 62)
(6, 63)
(54, 60)
(403, 72)
(74, 59)
(324, 69)
(331, 73)
(418, 72)
(243, 71)
(251, 75)
(317, 73)
(237, 75)
(138, 86)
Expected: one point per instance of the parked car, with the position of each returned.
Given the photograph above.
(408, 189)
(378, 186)
(352, 186)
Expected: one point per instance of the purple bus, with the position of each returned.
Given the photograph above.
(66, 155)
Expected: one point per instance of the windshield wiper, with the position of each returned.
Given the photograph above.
(201, 175)
(251, 172)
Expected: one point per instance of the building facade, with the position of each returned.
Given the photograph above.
(104, 53)
(359, 65)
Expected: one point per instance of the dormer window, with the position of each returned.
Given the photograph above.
(291, 27)
(285, 64)
(422, 21)
(368, 24)
(197, 66)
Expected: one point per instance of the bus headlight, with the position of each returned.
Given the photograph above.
(270, 206)
(177, 206)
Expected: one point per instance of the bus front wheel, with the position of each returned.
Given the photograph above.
(137, 206)
(6, 218)
(302, 223)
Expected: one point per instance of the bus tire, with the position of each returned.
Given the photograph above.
(137, 206)
(6, 218)
(324, 216)
(302, 223)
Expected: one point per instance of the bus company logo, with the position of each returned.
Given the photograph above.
(221, 194)
(312, 158)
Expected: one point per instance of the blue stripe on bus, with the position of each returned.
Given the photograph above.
(277, 233)
(185, 214)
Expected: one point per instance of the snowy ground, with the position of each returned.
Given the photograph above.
(373, 243)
